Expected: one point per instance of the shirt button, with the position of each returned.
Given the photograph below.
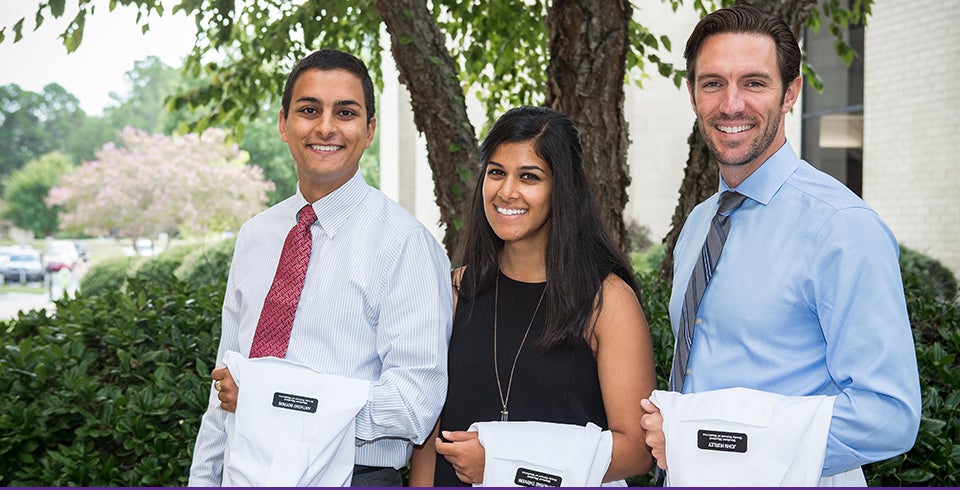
(698, 321)
(689, 371)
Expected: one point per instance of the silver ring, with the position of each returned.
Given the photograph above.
(216, 385)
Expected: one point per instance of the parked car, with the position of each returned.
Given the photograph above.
(5, 253)
(60, 254)
(24, 266)
(144, 247)
(82, 251)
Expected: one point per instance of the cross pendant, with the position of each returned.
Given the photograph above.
(503, 414)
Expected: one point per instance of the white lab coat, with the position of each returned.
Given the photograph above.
(293, 425)
(744, 437)
(544, 454)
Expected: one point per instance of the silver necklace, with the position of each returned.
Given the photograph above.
(504, 413)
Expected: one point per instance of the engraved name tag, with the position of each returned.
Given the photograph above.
(531, 478)
(715, 440)
(295, 402)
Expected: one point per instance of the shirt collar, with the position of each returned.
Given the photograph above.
(766, 180)
(333, 209)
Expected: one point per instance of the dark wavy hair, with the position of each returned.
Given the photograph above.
(331, 59)
(742, 18)
(580, 254)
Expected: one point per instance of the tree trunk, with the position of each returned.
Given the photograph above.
(701, 177)
(439, 110)
(588, 48)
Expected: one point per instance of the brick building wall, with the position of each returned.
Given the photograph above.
(911, 141)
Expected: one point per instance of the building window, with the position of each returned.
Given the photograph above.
(832, 134)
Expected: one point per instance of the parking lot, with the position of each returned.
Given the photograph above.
(11, 303)
(31, 279)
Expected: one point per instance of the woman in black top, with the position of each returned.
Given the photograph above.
(548, 325)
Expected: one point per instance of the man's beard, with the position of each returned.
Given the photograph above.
(755, 149)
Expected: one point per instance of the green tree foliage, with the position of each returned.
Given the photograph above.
(26, 188)
(33, 124)
(262, 141)
(244, 50)
(572, 56)
(30, 124)
(370, 162)
(190, 185)
(151, 83)
(90, 137)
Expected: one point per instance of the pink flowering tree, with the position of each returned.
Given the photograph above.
(190, 185)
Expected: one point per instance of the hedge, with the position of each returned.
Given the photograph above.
(932, 301)
(109, 391)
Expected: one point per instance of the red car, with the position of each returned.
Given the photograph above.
(60, 255)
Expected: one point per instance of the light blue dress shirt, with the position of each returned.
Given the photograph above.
(806, 299)
(376, 305)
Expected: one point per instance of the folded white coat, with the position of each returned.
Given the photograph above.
(543, 454)
(744, 437)
(293, 425)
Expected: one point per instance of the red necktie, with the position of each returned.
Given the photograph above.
(276, 317)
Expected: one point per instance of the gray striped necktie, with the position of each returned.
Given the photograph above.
(699, 278)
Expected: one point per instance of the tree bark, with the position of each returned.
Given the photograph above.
(588, 48)
(701, 176)
(439, 110)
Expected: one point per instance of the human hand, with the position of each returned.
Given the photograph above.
(652, 423)
(227, 389)
(464, 451)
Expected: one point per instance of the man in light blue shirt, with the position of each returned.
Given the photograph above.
(806, 298)
(376, 302)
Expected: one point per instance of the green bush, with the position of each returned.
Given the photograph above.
(109, 391)
(163, 265)
(649, 259)
(925, 278)
(655, 300)
(108, 275)
(194, 264)
(931, 292)
(207, 264)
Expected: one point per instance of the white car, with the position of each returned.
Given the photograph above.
(24, 266)
(144, 247)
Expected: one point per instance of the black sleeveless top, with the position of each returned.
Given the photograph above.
(560, 385)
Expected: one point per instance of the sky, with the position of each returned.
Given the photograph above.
(112, 42)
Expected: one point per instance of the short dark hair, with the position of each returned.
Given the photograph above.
(580, 254)
(742, 18)
(331, 59)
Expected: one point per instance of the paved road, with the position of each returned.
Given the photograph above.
(12, 303)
